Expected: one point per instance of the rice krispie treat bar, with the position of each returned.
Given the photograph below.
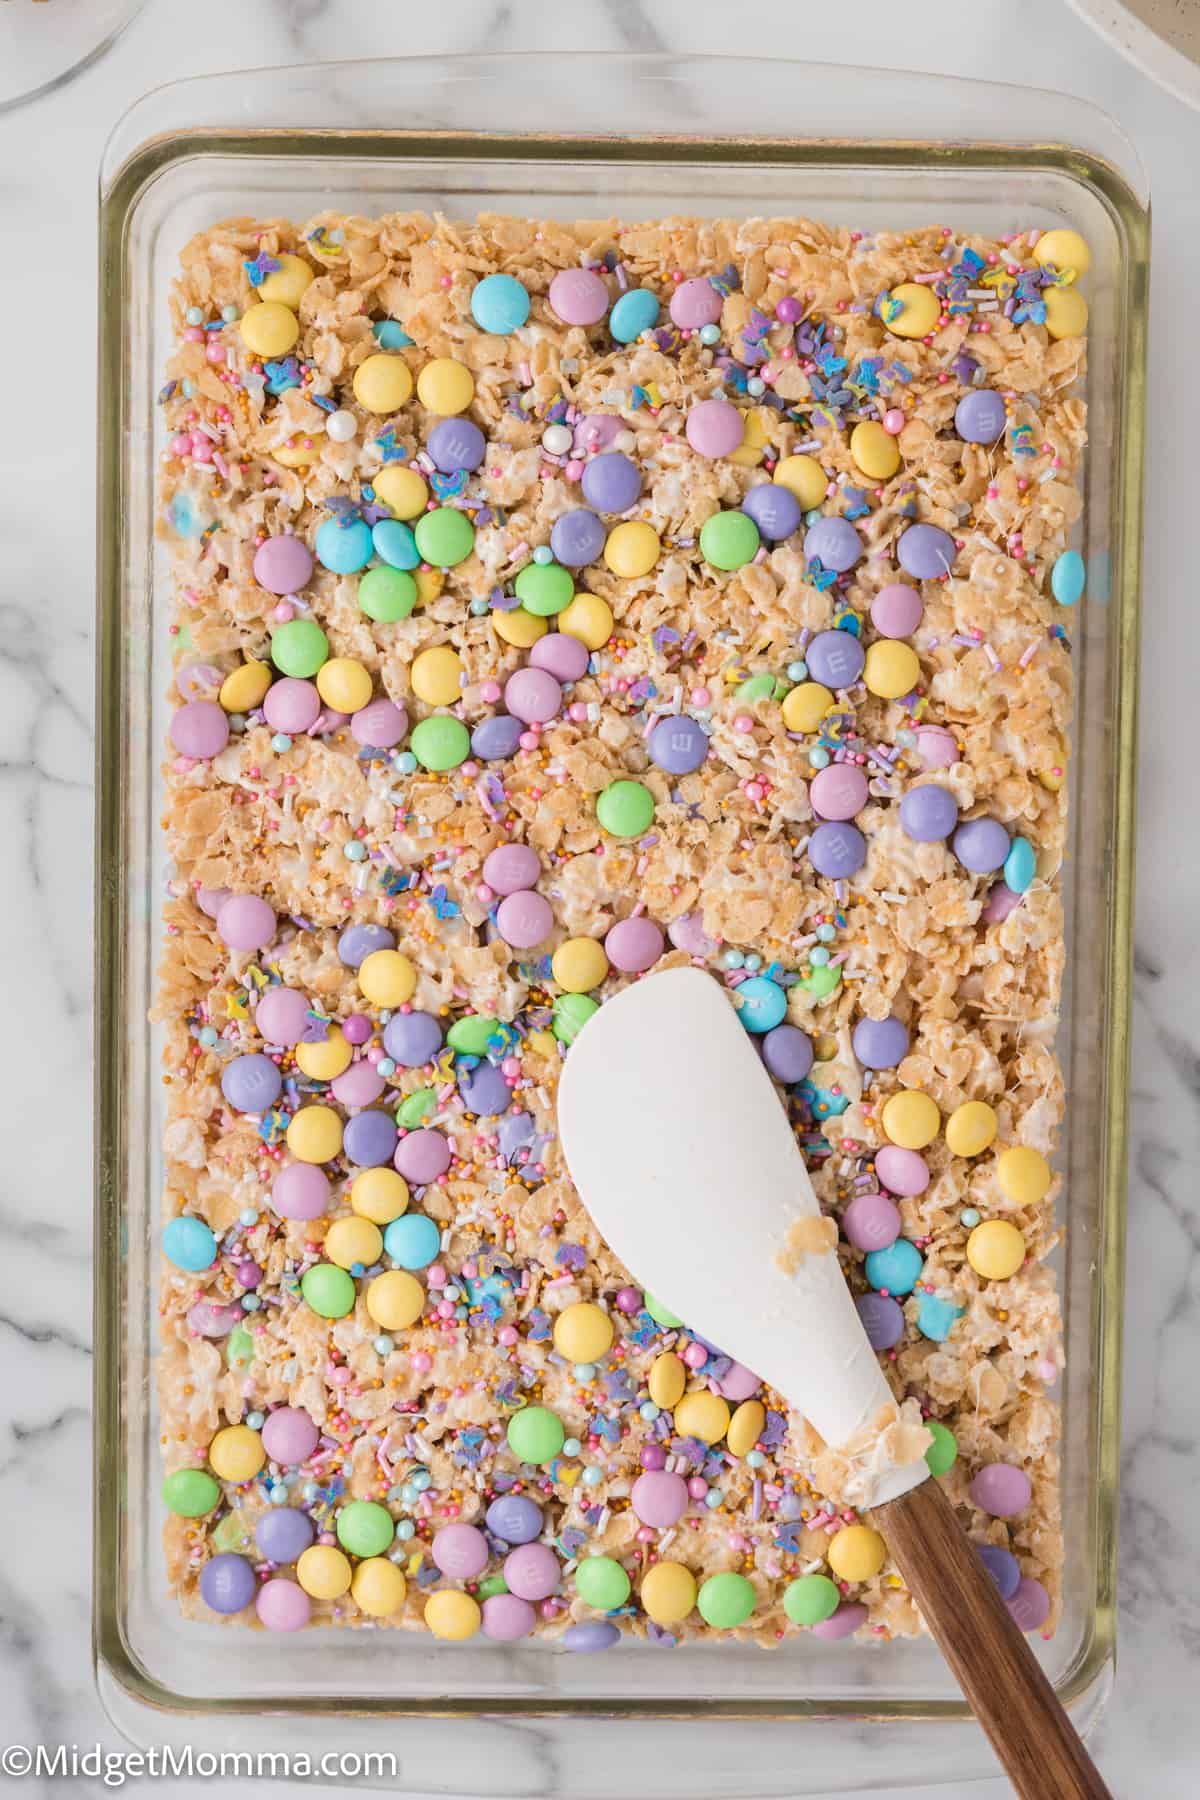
(555, 603)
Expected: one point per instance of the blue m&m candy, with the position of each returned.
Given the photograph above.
(499, 304)
(412, 1241)
(895, 1268)
(189, 1244)
(763, 1003)
(635, 312)
(344, 548)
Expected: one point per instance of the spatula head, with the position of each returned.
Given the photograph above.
(682, 1153)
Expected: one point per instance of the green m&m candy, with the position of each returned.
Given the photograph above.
(444, 536)
(365, 1528)
(239, 1348)
(232, 1535)
(544, 588)
(299, 648)
(440, 742)
(820, 982)
(602, 1582)
(729, 540)
(328, 1290)
(725, 1600)
(535, 1434)
(625, 808)
(415, 1107)
(810, 1598)
(490, 1585)
(471, 1035)
(942, 1454)
(571, 1013)
(190, 1493)
(387, 594)
(662, 1315)
(763, 686)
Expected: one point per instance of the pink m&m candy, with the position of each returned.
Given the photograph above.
(300, 1191)
(838, 792)
(510, 868)
(659, 1499)
(460, 1551)
(282, 1016)
(379, 724)
(714, 428)
(533, 696)
(246, 922)
(871, 1222)
(211, 900)
(359, 1085)
(283, 564)
(1030, 1605)
(903, 1172)
(563, 656)
(200, 729)
(578, 296)
(695, 303)
(738, 1383)
(292, 705)
(1000, 902)
(506, 1617)
(843, 1623)
(283, 1605)
(1001, 1489)
(524, 919)
(422, 1156)
(896, 610)
(531, 1571)
(688, 933)
(289, 1435)
(936, 747)
(632, 945)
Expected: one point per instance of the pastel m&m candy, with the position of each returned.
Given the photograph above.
(874, 450)
(500, 304)
(452, 1615)
(911, 1119)
(378, 1588)
(583, 1332)
(970, 1128)
(856, 1553)
(269, 329)
(702, 1415)
(891, 669)
(236, 1453)
(578, 966)
(668, 1593)
(382, 383)
(996, 1250)
(912, 310)
(364, 1528)
(1062, 249)
(395, 1299)
(726, 1600)
(445, 386)
(290, 281)
(631, 549)
(1024, 1175)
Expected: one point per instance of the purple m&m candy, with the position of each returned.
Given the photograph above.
(695, 303)
(896, 610)
(611, 482)
(578, 296)
(533, 695)
(300, 1191)
(283, 1534)
(283, 1605)
(200, 729)
(836, 658)
(714, 428)
(563, 656)
(1000, 902)
(596, 432)
(532, 1571)
(738, 1382)
(246, 922)
(848, 1619)
(981, 845)
(484, 1090)
(358, 942)
(359, 1085)
(882, 1320)
(837, 851)
(788, 1053)
(507, 1617)
(678, 744)
(979, 417)
(283, 564)
(834, 543)
(1030, 1604)
(211, 900)
(524, 920)
(292, 705)
(422, 1156)
(369, 1139)
(281, 1016)
(460, 1551)
(880, 1043)
(379, 724)
(577, 538)
(926, 551)
(456, 444)
(871, 1222)
(633, 945)
(774, 509)
(497, 738)
(511, 867)
(412, 1038)
(903, 1172)
(1001, 1489)
(289, 1435)
(928, 813)
(251, 1084)
(1002, 1566)
(659, 1499)
(838, 792)
(514, 1519)
(591, 1636)
(227, 1583)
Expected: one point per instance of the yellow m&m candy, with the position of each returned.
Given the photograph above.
(236, 1453)
(995, 1249)
(452, 1615)
(269, 329)
(588, 618)
(289, 281)
(395, 1300)
(856, 1553)
(746, 1427)
(919, 311)
(579, 965)
(402, 490)
(386, 978)
(668, 1593)
(434, 676)
(632, 549)
(297, 453)
(970, 1128)
(519, 628)
(315, 1134)
(702, 1415)
(755, 437)
(1066, 312)
(804, 477)
(380, 1195)
(583, 1333)
(1063, 249)
(344, 684)
(668, 1378)
(446, 387)
(875, 450)
(326, 1060)
(891, 668)
(805, 706)
(911, 1119)
(378, 1587)
(1024, 1175)
(430, 583)
(382, 383)
(324, 1572)
(245, 688)
(350, 1241)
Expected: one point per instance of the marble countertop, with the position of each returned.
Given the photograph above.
(1149, 1741)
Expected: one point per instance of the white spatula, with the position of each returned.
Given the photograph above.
(683, 1155)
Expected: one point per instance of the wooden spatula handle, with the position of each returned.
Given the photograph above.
(998, 1672)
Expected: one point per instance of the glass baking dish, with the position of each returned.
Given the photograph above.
(649, 136)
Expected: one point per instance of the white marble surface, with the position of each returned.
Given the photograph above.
(1149, 1743)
